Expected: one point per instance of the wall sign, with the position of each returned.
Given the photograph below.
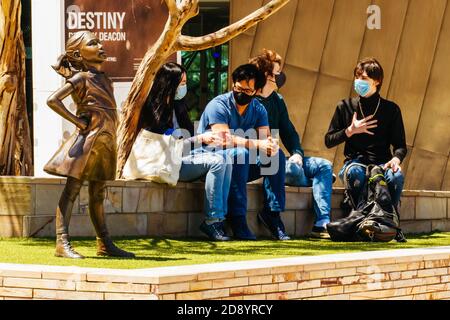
(127, 29)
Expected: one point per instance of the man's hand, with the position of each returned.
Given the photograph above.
(297, 158)
(275, 146)
(269, 146)
(394, 164)
(361, 126)
(212, 138)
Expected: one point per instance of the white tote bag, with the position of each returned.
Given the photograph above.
(155, 157)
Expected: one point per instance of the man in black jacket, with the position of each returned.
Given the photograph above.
(369, 125)
(301, 171)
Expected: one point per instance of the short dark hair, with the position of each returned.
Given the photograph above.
(373, 69)
(248, 72)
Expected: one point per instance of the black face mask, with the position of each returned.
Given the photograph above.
(242, 98)
(280, 79)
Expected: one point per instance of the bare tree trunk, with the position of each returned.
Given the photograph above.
(15, 138)
(170, 41)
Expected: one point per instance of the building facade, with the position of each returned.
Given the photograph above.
(321, 41)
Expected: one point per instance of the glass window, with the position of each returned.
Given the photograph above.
(207, 69)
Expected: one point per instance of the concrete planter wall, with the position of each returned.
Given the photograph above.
(135, 208)
(419, 274)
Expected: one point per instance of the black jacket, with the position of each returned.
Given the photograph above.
(369, 149)
(279, 119)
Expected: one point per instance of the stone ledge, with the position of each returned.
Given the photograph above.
(28, 203)
(410, 273)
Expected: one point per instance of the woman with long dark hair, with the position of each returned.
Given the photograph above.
(165, 100)
(165, 113)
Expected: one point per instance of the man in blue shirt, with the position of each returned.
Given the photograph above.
(243, 122)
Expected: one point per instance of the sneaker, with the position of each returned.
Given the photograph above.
(214, 231)
(274, 224)
(240, 228)
(400, 237)
(319, 233)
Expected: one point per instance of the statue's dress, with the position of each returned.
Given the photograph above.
(91, 154)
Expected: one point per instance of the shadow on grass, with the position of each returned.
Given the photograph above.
(138, 258)
(163, 252)
(165, 249)
(157, 242)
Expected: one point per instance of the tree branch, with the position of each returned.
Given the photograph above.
(187, 9)
(170, 41)
(186, 43)
(15, 139)
(172, 6)
(8, 82)
(142, 82)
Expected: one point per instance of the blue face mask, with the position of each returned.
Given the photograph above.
(181, 92)
(362, 87)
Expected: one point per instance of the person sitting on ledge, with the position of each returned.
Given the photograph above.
(165, 112)
(301, 171)
(240, 118)
(369, 125)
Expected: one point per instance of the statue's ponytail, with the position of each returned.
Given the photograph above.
(71, 62)
(63, 66)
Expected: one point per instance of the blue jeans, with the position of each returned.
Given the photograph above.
(217, 168)
(318, 174)
(244, 171)
(357, 180)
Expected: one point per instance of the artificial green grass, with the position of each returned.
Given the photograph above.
(161, 252)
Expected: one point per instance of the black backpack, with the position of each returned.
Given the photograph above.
(374, 219)
(349, 203)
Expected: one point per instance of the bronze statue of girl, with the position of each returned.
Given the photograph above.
(90, 154)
